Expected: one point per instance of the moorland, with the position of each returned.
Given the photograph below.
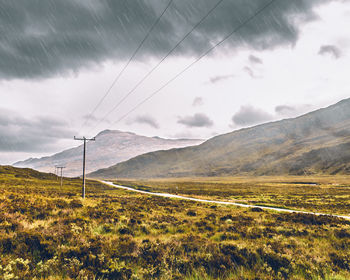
(49, 232)
(325, 194)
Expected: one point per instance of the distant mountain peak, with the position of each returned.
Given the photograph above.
(115, 132)
(110, 147)
(107, 131)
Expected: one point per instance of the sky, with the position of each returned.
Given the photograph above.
(59, 59)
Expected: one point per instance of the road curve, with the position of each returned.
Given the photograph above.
(219, 202)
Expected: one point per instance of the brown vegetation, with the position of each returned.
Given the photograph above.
(50, 233)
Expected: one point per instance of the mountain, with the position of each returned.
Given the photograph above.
(110, 147)
(318, 142)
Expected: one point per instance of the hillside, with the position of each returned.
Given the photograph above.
(318, 142)
(110, 147)
(25, 173)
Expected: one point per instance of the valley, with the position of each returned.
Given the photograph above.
(175, 140)
(49, 232)
(326, 194)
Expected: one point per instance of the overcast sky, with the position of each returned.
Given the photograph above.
(59, 58)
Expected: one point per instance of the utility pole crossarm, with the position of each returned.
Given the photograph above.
(85, 139)
(84, 156)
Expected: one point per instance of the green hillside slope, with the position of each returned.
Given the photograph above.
(318, 142)
(25, 173)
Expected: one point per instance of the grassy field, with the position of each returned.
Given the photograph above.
(326, 194)
(48, 232)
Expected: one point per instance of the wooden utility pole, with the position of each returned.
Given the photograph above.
(84, 156)
(61, 167)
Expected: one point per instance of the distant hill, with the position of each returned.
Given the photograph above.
(25, 173)
(110, 147)
(318, 142)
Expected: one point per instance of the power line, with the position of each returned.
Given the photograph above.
(84, 157)
(126, 65)
(249, 19)
(159, 63)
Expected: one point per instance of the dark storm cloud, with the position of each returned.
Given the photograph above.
(41, 39)
(330, 50)
(197, 120)
(30, 135)
(146, 119)
(255, 60)
(248, 115)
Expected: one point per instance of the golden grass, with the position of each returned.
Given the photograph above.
(330, 194)
(48, 232)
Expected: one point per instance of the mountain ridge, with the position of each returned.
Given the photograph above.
(303, 145)
(111, 147)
